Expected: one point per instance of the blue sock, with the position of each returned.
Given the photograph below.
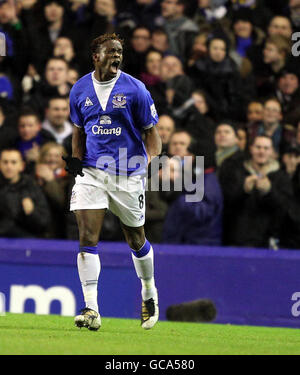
(144, 250)
(88, 249)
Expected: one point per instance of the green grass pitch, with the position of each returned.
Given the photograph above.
(53, 334)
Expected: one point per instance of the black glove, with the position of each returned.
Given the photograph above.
(74, 166)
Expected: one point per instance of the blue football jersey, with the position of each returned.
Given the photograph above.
(113, 129)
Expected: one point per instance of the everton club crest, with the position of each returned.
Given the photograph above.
(119, 101)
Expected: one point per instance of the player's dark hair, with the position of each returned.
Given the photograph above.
(96, 43)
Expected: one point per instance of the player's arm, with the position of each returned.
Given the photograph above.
(78, 142)
(153, 143)
(74, 162)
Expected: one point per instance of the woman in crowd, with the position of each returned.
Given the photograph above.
(53, 179)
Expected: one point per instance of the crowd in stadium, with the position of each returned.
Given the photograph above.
(225, 80)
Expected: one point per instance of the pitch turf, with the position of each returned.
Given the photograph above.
(52, 334)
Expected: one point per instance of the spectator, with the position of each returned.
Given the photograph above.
(151, 75)
(160, 41)
(179, 144)
(288, 90)
(156, 205)
(294, 14)
(178, 84)
(291, 160)
(165, 128)
(6, 88)
(272, 126)
(275, 54)
(24, 210)
(56, 120)
(199, 48)
(255, 111)
(43, 33)
(197, 222)
(195, 117)
(290, 236)
(180, 29)
(63, 47)
(261, 14)
(218, 76)
(8, 128)
(242, 138)
(14, 62)
(279, 25)
(30, 80)
(73, 75)
(135, 55)
(53, 179)
(212, 13)
(244, 35)
(257, 196)
(174, 87)
(54, 84)
(226, 141)
(297, 140)
(144, 12)
(31, 137)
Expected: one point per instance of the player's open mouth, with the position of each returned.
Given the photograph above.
(115, 66)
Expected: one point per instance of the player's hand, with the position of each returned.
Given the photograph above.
(74, 166)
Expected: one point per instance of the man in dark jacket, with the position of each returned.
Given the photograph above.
(257, 196)
(197, 222)
(45, 28)
(31, 137)
(180, 29)
(226, 140)
(218, 75)
(24, 211)
(54, 84)
(290, 234)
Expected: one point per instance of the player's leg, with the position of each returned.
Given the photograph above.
(88, 263)
(142, 256)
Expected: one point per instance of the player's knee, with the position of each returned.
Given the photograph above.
(88, 237)
(136, 243)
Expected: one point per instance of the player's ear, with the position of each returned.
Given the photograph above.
(96, 57)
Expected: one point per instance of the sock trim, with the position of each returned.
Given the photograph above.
(144, 250)
(88, 249)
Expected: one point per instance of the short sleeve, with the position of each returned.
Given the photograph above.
(145, 111)
(75, 114)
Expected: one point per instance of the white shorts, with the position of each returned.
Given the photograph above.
(123, 196)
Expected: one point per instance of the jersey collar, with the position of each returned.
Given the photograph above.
(106, 82)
